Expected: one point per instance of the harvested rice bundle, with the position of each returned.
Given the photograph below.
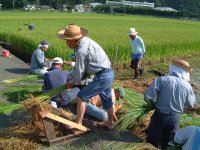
(135, 110)
(24, 78)
(43, 97)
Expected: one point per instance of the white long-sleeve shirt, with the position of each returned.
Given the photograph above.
(137, 45)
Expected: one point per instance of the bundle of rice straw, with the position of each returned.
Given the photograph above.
(43, 97)
(36, 104)
(134, 112)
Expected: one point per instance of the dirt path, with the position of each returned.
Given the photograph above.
(11, 67)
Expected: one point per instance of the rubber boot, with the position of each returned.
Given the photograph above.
(136, 74)
(141, 71)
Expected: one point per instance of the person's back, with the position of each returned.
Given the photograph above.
(189, 137)
(35, 63)
(169, 95)
(56, 78)
(173, 94)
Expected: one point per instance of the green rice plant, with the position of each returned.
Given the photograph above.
(7, 108)
(20, 92)
(167, 38)
(189, 120)
(50, 93)
(134, 111)
(23, 78)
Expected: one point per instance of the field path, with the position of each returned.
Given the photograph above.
(11, 67)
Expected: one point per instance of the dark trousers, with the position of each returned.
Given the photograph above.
(135, 65)
(162, 128)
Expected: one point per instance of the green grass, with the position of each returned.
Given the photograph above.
(18, 93)
(164, 38)
(7, 108)
(23, 78)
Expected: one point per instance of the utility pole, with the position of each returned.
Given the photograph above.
(13, 2)
(124, 6)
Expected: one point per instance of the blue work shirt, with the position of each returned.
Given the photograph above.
(55, 78)
(90, 59)
(171, 93)
(37, 59)
(137, 47)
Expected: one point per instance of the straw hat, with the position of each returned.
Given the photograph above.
(132, 31)
(182, 64)
(72, 32)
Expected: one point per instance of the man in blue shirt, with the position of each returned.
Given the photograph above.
(169, 94)
(90, 59)
(39, 62)
(137, 51)
(56, 77)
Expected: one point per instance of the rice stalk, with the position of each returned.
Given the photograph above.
(24, 78)
(51, 93)
(134, 112)
(7, 108)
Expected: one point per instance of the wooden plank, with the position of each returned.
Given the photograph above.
(47, 114)
(49, 129)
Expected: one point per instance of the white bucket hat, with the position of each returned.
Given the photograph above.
(132, 31)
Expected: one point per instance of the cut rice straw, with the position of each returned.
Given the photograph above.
(135, 110)
(30, 102)
(24, 78)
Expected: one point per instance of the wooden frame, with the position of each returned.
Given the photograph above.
(49, 118)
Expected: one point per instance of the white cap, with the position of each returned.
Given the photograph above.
(57, 60)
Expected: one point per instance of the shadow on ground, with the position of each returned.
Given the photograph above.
(18, 70)
(14, 118)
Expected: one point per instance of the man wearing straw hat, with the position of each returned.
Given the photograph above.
(169, 94)
(137, 51)
(90, 59)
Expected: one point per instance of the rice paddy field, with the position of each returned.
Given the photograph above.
(164, 38)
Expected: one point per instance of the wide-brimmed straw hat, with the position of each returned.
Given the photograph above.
(132, 31)
(72, 32)
(182, 64)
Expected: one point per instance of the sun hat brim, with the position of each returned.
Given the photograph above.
(61, 34)
(182, 64)
(133, 33)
